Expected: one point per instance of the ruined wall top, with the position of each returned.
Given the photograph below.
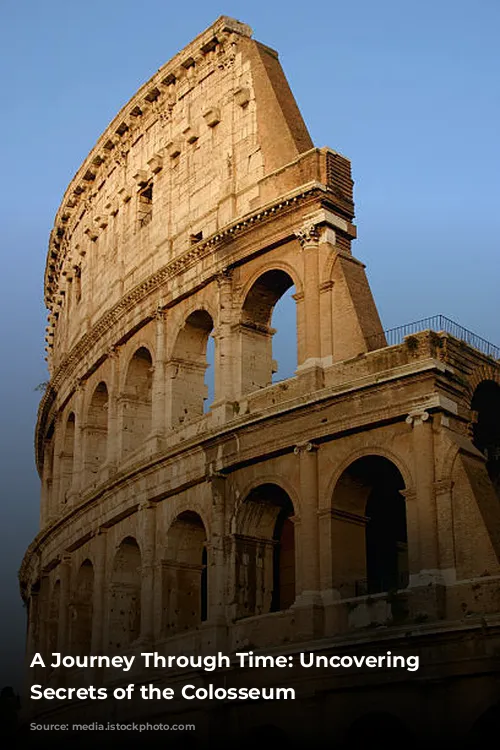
(195, 141)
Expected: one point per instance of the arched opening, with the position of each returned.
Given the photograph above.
(67, 457)
(486, 430)
(48, 472)
(265, 552)
(369, 536)
(270, 293)
(137, 401)
(188, 370)
(53, 621)
(388, 729)
(96, 431)
(125, 596)
(185, 575)
(81, 610)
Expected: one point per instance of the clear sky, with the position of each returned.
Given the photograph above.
(409, 91)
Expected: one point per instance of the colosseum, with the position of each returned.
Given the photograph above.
(352, 509)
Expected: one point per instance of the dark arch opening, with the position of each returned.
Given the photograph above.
(486, 430)
(97, 430)
(67, 457)
(370, 490)
(265, 552)
(185, 574)
(192, 379)
(82, 610)
(265, 360)
(125, 595)
(137, 401)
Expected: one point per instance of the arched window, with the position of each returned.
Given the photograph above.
(137, 401)
(81, 610)
(185, 575)
(260, 360)
(125, 596)
(67, 458)
(96, 431)
(188, 368)
(486, 430)
(265, 552)
(369, 537)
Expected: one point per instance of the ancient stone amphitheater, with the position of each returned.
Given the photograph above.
(350, 508)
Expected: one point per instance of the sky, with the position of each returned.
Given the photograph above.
(408, 91)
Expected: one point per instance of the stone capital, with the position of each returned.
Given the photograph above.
(308, 234)
(305, 448)
(418, 416)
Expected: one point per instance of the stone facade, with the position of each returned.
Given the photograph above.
(353, 507)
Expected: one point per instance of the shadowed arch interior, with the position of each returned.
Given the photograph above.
(369, 519)
(125, 595)
(96, 430)
(67, 458)
(257, 364)
(265, 552)
(486, 430)
(188, 369)
(137, 401)
(81, 610)
(184, 580)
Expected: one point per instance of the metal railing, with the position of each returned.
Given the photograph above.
(437, 323)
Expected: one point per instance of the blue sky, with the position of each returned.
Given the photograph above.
(408, 91)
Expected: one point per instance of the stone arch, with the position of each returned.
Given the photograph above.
(125, 595)
(371, 450)
(264, 542)
(82, 610)
(368, 518)
(255, 331)
(48, 469)
(67, 457)
(136, 400)
(96, 430)
(187, 368)
(185, 574)
(485, 372)
(53, 619)
(485, 404)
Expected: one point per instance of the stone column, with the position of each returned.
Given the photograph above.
(423, 462)
(446, 540)
(78, 457)
(309, 597)
(159, 377)
(309, 236)
(147, 535)
(99, 603)
(222, 407)
(217, 564)
(114, 431)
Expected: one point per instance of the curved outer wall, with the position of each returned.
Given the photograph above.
(200, 205)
